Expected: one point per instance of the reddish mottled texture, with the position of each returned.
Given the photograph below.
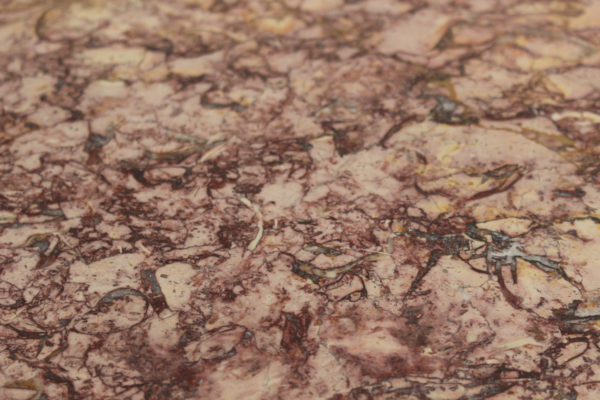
(299, 199)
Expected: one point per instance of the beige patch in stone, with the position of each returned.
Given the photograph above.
(175, 282)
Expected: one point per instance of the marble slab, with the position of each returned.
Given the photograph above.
(299, 199)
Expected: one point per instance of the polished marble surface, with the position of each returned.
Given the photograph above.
(299, 199)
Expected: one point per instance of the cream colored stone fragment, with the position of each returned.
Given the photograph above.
(543, 53)
(391, 7)
(485, 81)
(175, 281)
(37, 85)
(112, 55)
(114, 231)
(447, 392)
(590, 18)
(281, 26)
(103, 89)
(586, 228)
(102, 94)
(237, 36)
(581, 261)
(17, 273)
(22, 393)
(583, 115)
(283, 195)
(76, 19)
(153, 66)
(47, 115)
(320, 5)
(544, 129)
(8, 31)
(7, 217)
(434, 205)
(364, 341)
(510, 226)
(26, 98)
(576, 83)
(459, 276)
(29, 163)
(417, 34)
(526, 341)
(164, 333)
(592, 197)
(196, 66)
(252, 384)
(535, 285)
(109, 273)
(70, 132)
(153, 94)
(471, 35)
(528, 63)
(284, 62)
(446, 153)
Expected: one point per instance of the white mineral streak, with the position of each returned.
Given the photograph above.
(212, 153)
(526, 341)
(252, 245)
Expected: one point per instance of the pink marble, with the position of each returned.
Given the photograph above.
(299, 199)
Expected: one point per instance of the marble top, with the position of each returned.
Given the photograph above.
(299, 199)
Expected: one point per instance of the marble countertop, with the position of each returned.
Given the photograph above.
(299, 199)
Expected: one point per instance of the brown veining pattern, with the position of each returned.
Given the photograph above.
(299, 199)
